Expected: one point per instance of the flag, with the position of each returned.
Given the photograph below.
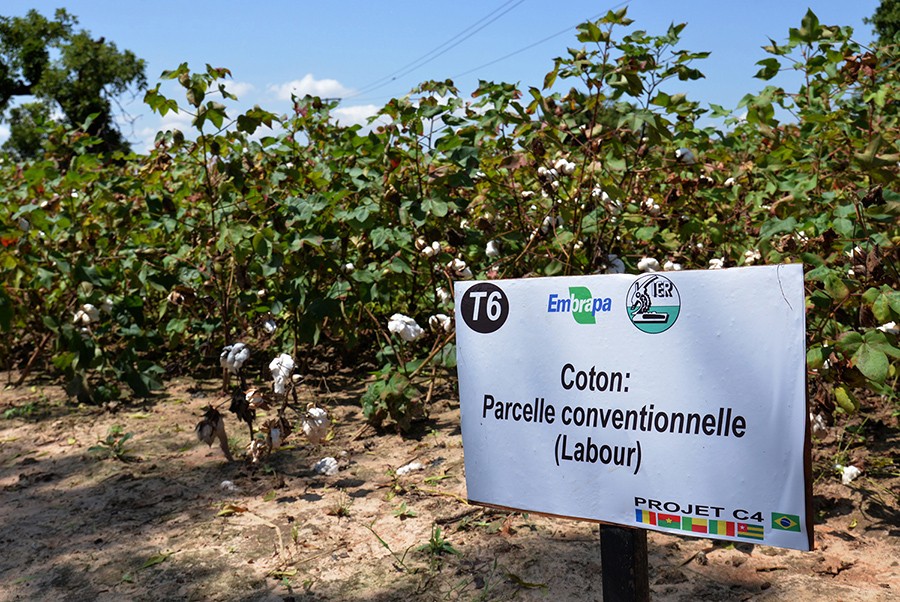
(645, 516)
(721, 527)
(750, 531)
(672, 521)
(786, 522)
(697, 525)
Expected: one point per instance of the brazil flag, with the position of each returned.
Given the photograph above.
(786, 522)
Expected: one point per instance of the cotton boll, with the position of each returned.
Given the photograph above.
(541, 171)
(86, 315)
(421, 243)
(849, 474)
(752, 256)
(234, 356)
(569, 168)
(315, 425)
(348, 268)
(408, 468)
(460, 269)
(648, 264)
(107, 305)
(716, 264)
(493, 249)
(269, 325)
(326, 466)
(650, 206)
(671, 266)
(890, 328)
(406, 327)
(443, 295)
(817, 426)
(730, 182)
(685, 156)
(441, 322)
(615, 265)
(281, 368)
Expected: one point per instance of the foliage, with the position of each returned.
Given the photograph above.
(66, 70)
(885, 21)
(113, 445)
(299, 232)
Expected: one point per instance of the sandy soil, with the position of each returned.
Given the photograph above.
(85, 526)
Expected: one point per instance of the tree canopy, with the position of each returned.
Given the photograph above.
(65, 71)
(885, 21)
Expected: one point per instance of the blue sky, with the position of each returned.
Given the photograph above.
(345, 48)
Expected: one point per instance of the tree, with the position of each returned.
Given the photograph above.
(67, 72)
(886, 21)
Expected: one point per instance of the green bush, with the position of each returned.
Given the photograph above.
(326, 232)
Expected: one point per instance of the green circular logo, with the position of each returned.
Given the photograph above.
(653, 303)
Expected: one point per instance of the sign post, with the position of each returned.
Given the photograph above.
(673, 402)
(623, 561)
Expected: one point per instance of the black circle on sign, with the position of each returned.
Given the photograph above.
(485, 307)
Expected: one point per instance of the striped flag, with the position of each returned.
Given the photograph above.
(696, 525)
(721, 527)
(750, 531)
(645, 516)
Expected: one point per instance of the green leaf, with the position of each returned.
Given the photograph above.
(836, 288)
(883, 301)
(770, 69)
(156, 559)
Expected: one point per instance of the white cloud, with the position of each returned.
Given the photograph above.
(324, 88)
(355, 115)
(239, 89)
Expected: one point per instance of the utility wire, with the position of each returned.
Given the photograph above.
(538, 43)
(442, 49)
(502, 58)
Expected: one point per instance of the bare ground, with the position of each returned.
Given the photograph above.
(84, 526)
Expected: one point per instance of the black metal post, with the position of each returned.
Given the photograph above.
(623, 564)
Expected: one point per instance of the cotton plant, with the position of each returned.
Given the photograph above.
(246, 400)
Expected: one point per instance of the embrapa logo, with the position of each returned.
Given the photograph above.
(580, 303)
(653, 303)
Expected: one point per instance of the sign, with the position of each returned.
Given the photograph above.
(670, 401)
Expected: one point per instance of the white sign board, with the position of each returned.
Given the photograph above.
(671, 401)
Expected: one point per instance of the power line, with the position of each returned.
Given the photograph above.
(520, 50)
(538, 43)
(442, 49)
